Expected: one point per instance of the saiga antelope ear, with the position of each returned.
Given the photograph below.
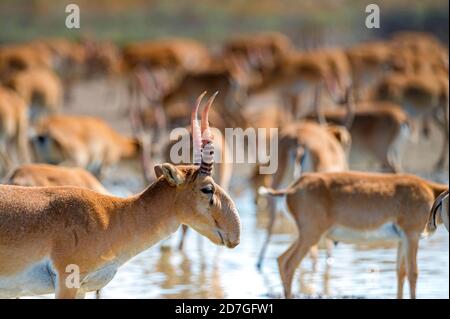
(171, 174)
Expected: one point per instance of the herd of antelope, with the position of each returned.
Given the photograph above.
(373, 96)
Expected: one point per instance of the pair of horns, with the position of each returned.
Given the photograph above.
(202, 137)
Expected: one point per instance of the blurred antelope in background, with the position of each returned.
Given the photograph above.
(422, 96)
(381, 128)
(44, 175)
(41, 89)
(13, 129)
(81, 141)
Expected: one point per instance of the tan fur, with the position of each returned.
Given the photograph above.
(82, 141)
(417, 52)
(422, 95)
(186, 54)
(310, 67)
(376, 127)
(368, 63)
(67, 225)
(264, 50)
(13, 127)
(39, 86)
(44, 175)
(306, 72)
(359, 201)
(22, 57)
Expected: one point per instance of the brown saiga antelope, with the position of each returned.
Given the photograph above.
(13, 127)
(305, 146)
(264, 51)
(440, 210)
(44, 175)
(422, 96)
(369, 61)
(325, 203)
(22, 57)
(41, 88)
(382, 128)
(46, 231)
(81, 141)
(181, 54)
(300, 72)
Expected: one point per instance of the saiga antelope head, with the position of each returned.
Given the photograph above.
(200, 202)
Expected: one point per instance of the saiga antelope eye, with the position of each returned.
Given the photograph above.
(207, 189)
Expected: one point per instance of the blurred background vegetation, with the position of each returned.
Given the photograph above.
(305, 21)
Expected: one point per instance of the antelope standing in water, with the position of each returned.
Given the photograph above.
(306, 146)
(45, 230)
(348, 205)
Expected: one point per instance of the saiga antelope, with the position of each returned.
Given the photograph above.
(368, 61)
(41, 88)
(381, 128)
(44, 175)
(305, 146)
(13, 127)
(340, 205)
(299, 71)
(43, 231)
(81, 141)
(179, 54)
(22, 57)
(232, 77)
(264, 51)
(423, 96)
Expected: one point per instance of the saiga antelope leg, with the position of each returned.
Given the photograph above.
(272, 212)
(411, 263)
(184, 230)
(5, 162)
(401, 269)
(314, 254)
(290, 259)
(277, 179)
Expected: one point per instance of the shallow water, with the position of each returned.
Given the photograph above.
(207, 271)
